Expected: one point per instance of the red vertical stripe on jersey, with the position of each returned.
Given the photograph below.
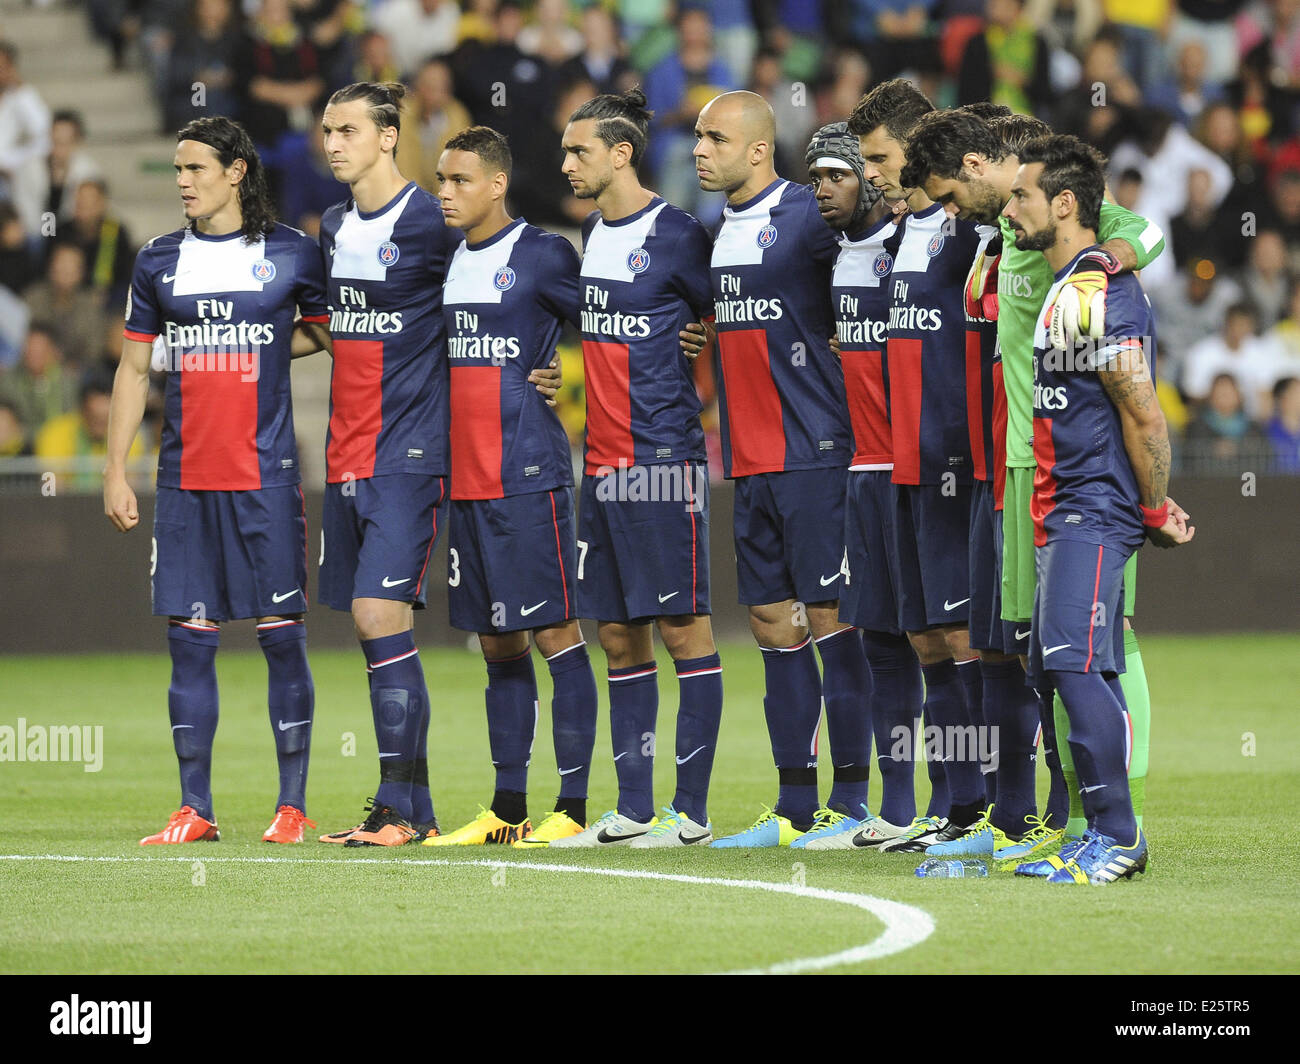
(357, 395)
(219, 427)
(999, 436)
(476, 432)
(755, 422)
(975, 406)
(609, 405)
(1044, 498)
(864, 386)
(1092, 621)
(905, 408)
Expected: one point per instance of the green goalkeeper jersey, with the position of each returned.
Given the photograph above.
(1023, 280)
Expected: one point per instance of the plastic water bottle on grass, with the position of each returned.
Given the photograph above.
(937, 869)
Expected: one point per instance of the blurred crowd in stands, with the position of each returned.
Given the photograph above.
(1197, 103)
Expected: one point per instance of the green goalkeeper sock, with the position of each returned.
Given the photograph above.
(1138, 697)
(1077, 823)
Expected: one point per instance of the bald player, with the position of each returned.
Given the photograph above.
(787, 443)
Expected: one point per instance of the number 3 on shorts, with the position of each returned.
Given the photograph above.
(453, 558)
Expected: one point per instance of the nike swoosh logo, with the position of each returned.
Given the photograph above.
(683, 760)
(175, 726)
(286, 595)
(398, 754)
(168, 278)
(953, 605)
(621, 756)
(1053, 650)
(665, 598)
(333, 248)
(566, 771)
(603, 837)
(286, 725)
(1089, 790)
(524, 611)
(827, 583)
(1022, 635)
(394, 583)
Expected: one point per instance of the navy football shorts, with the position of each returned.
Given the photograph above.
(932, 546)
(643, 543)
(789, 530)
(1078, 623)
(867, 598)
(510, 562)
(377, 534)
(227, 555)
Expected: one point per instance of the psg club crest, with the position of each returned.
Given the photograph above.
(264, 270)
(767, 236)
(935, 245)
(638, 261)
(884, 261)
(504, 278)
(388, 253)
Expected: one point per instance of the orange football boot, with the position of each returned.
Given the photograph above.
(382, 827)
(287, 825)
(185, 825)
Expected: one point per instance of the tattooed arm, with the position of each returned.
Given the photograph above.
(1128, 383)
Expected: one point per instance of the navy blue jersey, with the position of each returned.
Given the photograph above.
(388, 392)
(927, 348)
(981, 353)
(860, 292)
(505, 303)
(780, 389)
(1084, 485)
(644, 277)
(225, 310)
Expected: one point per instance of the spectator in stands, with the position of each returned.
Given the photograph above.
(1254, 364)
(601, 59)
(1188, 92)
(18, 266)
(431, 117)
(1099, 102)
(1141, 24)
(1068, 25)
(83, 432)
(1283, 428)
(417, 29)
(329, 25)
(375, 60)
(1190, 309)
(1201, 231)
(1264, 107)
(13, 329)
(1008, 62)
(478, 22)
(736, 37)
(896, 35)
(44, 188)
(205, 53)
(13, 436)
(1221, 436)
(677, 89)
(547, 197)
(1128, 189)
(74, 312)
(794, 119)
(1273, 27)
(40, 387)
(1209, 22)
(24, 120)
(308, 185)
(104, 239)
(280, 73)
(848, 81)
(550, 37)
(1265, 281)
(1285, 335)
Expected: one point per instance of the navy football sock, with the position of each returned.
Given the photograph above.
(1099, 742)
(1011, 712)
(398, 702)
(573, 719)
(940, 802)
(896, 720)
(846, 690)
(421, 798)
(291, 700)
(699, 714)
(972, 681)
(946, 711)
(793, 706)
(511, 698)
(192, 705)
(633, 711)
(1058, 795)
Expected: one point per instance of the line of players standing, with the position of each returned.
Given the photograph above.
(864, 489)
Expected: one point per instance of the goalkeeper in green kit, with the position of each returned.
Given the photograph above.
(969, 165)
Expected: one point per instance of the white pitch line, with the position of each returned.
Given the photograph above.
(905, 925)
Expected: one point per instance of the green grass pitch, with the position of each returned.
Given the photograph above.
(1219, 896)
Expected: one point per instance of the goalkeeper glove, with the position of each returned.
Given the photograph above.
(981, 290)
(1079, 314)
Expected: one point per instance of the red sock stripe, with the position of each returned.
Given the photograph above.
(268, 625)
(699, 672)
(634, 675)
(389, 661)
